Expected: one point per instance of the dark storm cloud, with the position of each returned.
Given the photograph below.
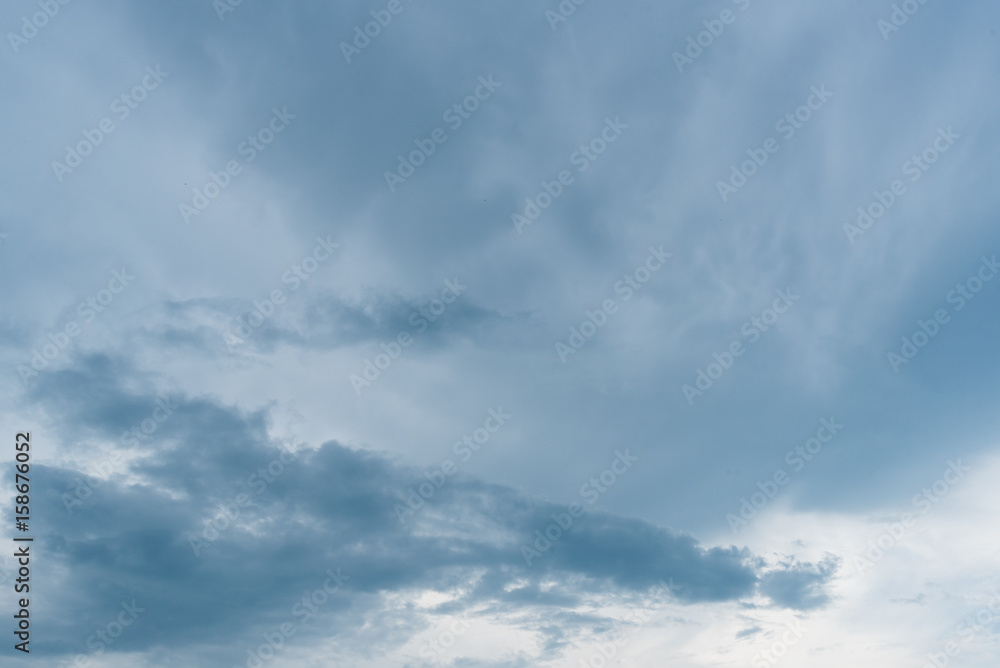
(328, 508)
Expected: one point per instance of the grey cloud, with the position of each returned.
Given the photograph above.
(328, 508)
(799, 586)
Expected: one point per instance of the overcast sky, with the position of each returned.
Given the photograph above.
(485, 335)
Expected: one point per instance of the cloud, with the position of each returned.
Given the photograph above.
(799, 586)
(316, 322)
(137, 500)
(331, 507)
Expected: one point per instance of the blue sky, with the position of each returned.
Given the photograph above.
(511, 331)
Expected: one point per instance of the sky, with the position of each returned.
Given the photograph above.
(489, 335)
